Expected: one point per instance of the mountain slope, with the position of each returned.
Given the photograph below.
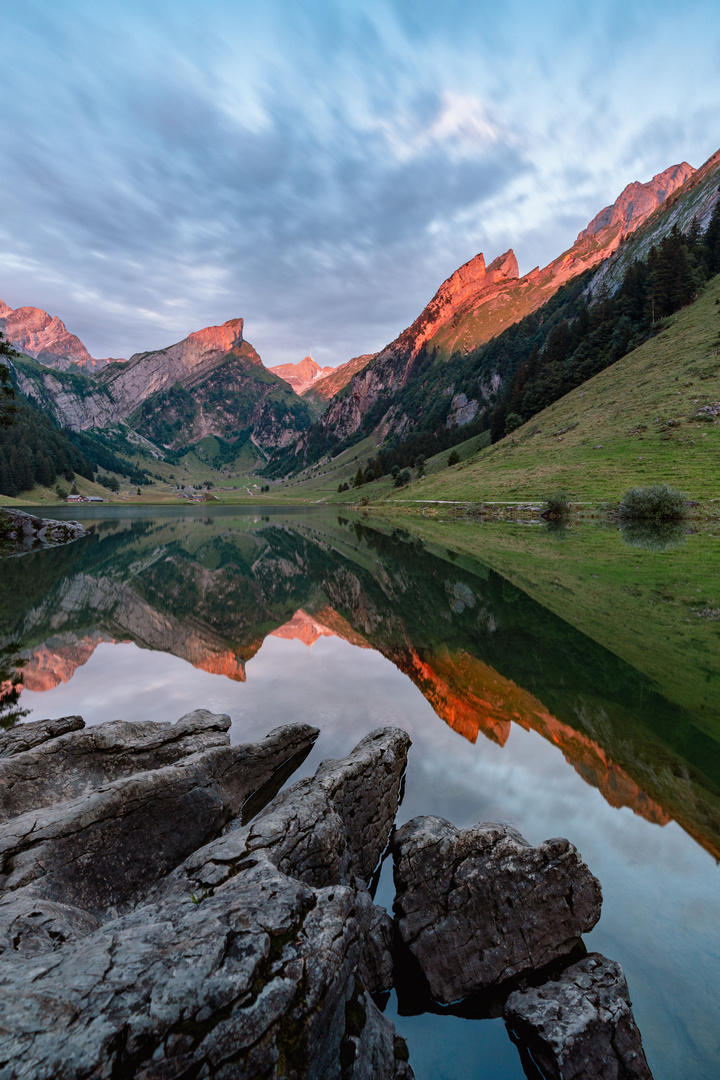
(211, 383)
(46, 338)
(477, 302)
(654, 416)
(338, 378)
(302, 375)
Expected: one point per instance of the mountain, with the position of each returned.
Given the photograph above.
(302, 375)
(477, 302)
(652, 416)
(320, 384)
(46, 338)
(337, 378)
(212, 383)
(481, 649)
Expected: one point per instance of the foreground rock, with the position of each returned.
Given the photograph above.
(21, 532)
(252, 958)
(479, 906)
(581, 1026)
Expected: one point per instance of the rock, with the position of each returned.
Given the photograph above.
(479, 906)
(581, 1026)
(26, 736)
(80, 761)
(302, 375)
(246, 961)
(46, 338)
(104, 848)
(26, 531)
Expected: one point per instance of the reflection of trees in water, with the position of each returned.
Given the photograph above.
(11, 664)
(654, 535)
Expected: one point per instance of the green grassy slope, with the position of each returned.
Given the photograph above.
(634, 423)
(658, 610)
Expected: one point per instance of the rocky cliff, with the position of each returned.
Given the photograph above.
(302, 375)
(211, 383)
(46, 338)
(477, 302)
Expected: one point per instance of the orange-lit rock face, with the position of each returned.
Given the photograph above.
(302, 375)
(45, 337)
(637, 201)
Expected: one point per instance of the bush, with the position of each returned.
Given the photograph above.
(454, 458)
(512, 422)
(402, 478)
(558, 506)
(658, 502)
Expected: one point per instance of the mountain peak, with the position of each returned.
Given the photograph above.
(637, 201)
(302, 375)
(45, 337)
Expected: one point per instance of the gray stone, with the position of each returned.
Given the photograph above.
(581, 1025)
(26, 531)
(78, 762)
(26, 736)
(103, 850)
(481, 905)
(246, 961)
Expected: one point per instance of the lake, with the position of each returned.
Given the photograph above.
(567, 685)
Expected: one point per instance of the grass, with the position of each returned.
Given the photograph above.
(632, 425)
(658, 610)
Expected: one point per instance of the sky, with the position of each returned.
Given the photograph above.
(319, 169)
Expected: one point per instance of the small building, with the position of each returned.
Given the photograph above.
(75, 498)
(94, 498)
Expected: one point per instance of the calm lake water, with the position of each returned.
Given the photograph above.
(515, 714)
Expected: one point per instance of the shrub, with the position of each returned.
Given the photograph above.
(512, 422)
(558, 505)
(658, 502)
(454, 458)
(402, 478)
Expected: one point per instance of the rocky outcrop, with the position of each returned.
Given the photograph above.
(638, 201)
(580, 1026)
(476, 303)
(337, 378)
(46, 338)
(210, 383)
(254, 957)
(28, 736)
(21, 532)
(478, 906)
(303, 375)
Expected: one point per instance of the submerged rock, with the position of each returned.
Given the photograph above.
(23, 532)
(479, 906)
(581, 1025)
(252, 958)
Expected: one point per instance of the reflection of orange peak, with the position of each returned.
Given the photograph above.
(325, 623)
(57, 661)
(225, 663)
(471, 697)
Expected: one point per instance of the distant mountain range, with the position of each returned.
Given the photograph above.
(213, 382)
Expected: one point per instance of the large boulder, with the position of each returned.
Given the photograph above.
(580, 1026)
(478, 906)
(249, 959)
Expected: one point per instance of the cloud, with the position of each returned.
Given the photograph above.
(168, 166)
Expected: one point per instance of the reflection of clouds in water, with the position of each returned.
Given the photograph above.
(660, 888)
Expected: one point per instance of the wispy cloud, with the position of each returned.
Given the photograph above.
(319, 172)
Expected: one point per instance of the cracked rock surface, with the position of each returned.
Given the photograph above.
(581, 1026)
(478, 906)
(251, 956)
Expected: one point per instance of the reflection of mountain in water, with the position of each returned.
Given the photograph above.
(482, 652)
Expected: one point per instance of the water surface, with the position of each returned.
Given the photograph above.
(516, 715)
